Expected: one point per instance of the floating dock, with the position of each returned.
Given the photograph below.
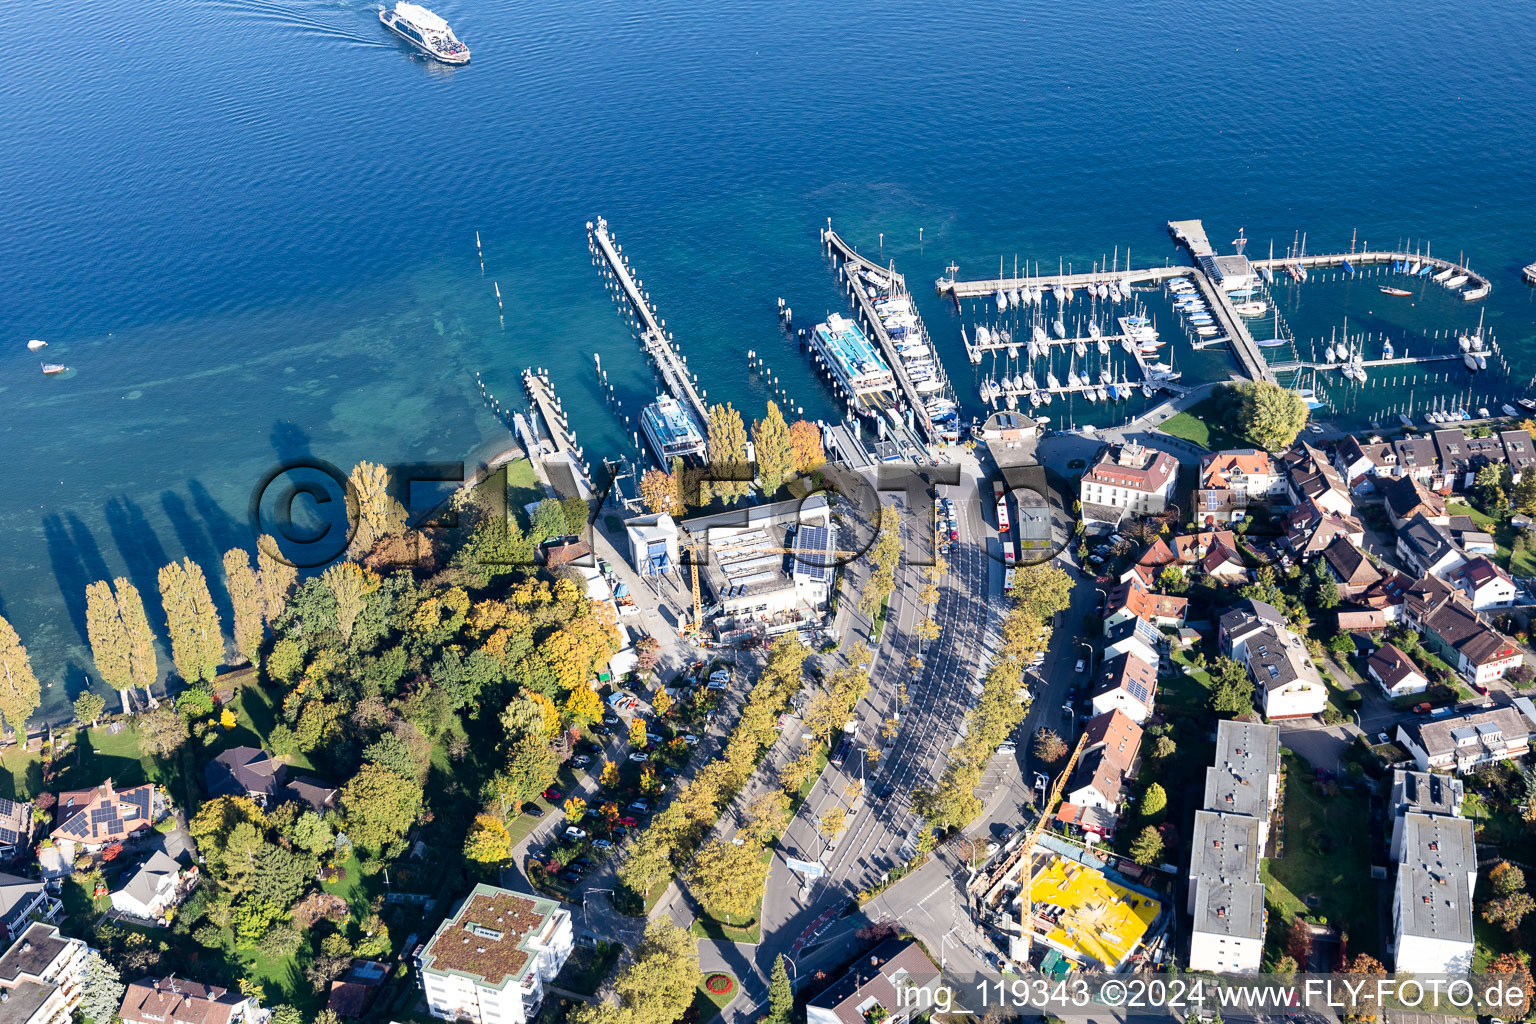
(1478, 285)
(658, 344)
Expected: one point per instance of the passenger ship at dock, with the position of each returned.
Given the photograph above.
(426, 31)
(672, 432)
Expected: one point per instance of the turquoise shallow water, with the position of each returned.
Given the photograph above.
(249, 225)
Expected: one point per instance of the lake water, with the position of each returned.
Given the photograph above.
(249, 226)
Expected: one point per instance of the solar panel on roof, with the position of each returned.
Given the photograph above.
(1137, 690)
(9, 835)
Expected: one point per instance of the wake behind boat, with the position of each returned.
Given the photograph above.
(426, 31)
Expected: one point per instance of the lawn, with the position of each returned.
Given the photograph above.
(255, 718)
(1200, 423)
(23, 775)
(523, 485)
(1327, 857)
(1189, 688)
(1522, 564)
(707, 1005)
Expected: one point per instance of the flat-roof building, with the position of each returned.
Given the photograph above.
(491, 958)
(1432, 899)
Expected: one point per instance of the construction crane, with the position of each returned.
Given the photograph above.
(693, 627)
(1020, 952)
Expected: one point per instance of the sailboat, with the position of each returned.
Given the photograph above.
(1038, 333)
(1080, 348)
(1094, 331)
(1103, 347)
(35, 344)
(1059, 327)
(1029, 380)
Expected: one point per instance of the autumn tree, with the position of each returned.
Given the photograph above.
(197, 646)
(108, 638)
(275, 578)
(1508, 911)
(661, 492)
(832, 823)
(728, 878)
(775, 451)
(245, 601)
(1049, 746)
(488, 841)
(19, 692)
(1267, 414)
(1505, 879)
(351, 584)
(656, 987)
(575, 809)
(730, 475)
(379, 515)
(1515, 969)
(805, 442)
(162, 731)
(767, 817)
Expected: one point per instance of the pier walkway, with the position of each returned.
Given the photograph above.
(658, 344)
(551, 444)
(1480, 285)
(866, 310)
(987, 287)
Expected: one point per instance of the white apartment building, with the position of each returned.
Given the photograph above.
(1130, 478)
(40, 977)
(491, 958)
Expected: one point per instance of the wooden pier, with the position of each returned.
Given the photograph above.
(1481, 286)
(865, 307)
(553, 449)
(987, 287)
(658, 344)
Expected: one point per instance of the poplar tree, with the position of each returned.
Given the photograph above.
(351, 584)
(730, 475)
(275, 578)
(245, 598)
(378, 514)
(19, 693)
(196, 644)
(775, 451)
(143, 663)
(108, 637)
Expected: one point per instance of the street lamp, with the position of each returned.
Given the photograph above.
(943, 956)
(795, 976)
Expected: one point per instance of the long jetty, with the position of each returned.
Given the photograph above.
(1480, 285)
(658, 345)
(866, 310)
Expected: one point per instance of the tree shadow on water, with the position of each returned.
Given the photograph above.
(76, 561)
(142, 552)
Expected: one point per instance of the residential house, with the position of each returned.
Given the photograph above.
(1461, 455)
(15, 828)
(1311, 477)
(245, 771)
(1243, 620)
(173, 1000)
(40, 977)
(1132, 600)
(1129, 478)
(92, 818)
(1427, 549)
(1309, 529)
(316, 795)
(1225, 896)
(1364, 465)
(1151, 563)
(1422, 793)
(1473, 648)
(1395, 672)
(1133, 636)
(1518, 452)
(1405, 497)
(1432, 898)
(1350, 567)
(354, 992)
(1360, 620)
(1283, 672)
(1232, 480)
(491, 959)
(1462, 742)
(1485, 584)
(1386, 596)
(1418, 458)
(23, 900)
(870, 989)
(1128, 684)
(1190, 549)
(150, 889)
(1109, 753)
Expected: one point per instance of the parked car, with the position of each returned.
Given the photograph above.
(580, 761)
(641, 806)
(586, 939)
(575, 834)
(629, 822)
(1382, 737)
(571, 877)
(552, 794)
(602, 844)
(1082, 666)
(1423, 708)
(533, 810)
(690, 739)
(639, 758)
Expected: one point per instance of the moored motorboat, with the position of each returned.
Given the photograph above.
(35, 344)
(52, 368)
(1386, 290)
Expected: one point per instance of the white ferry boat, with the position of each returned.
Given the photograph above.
(672, 431)
(426, 31)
